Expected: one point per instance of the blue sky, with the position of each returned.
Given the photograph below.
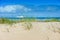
(28, 8)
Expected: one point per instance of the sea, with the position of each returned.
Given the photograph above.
(38, 18)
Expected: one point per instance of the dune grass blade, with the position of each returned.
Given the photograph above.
(52, 20)
(27, 26)
(28, 20)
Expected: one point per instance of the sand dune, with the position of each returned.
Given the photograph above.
(39, 31)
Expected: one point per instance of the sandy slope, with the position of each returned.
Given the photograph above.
(40, 31)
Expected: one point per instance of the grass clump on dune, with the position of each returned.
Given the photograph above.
(27, 25)
(28, 20)
(6, 21)
(52, 20)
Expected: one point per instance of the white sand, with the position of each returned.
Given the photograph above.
(40, 31)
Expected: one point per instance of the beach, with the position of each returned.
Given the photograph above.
(39, 31)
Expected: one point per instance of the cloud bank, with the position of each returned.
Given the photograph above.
(14, 8)
(22, 11)
(21, 8)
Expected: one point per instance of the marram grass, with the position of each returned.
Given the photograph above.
(52, 20)
(27, 25)
(27, 22)
(8, 21)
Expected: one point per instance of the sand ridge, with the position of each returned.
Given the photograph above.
(39, 31)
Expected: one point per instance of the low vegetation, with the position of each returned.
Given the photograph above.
(28, 20)
(27, 25)
(6, 21)
(52, 20)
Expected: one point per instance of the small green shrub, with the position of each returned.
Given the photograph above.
(6, 21)
(28, 20)
(52, 20)
(27, 25)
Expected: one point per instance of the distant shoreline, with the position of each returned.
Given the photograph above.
(32, 17)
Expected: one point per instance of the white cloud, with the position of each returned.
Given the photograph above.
(14, 8)
(20, 16)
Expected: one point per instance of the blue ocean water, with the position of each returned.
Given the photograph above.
(39, 18)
